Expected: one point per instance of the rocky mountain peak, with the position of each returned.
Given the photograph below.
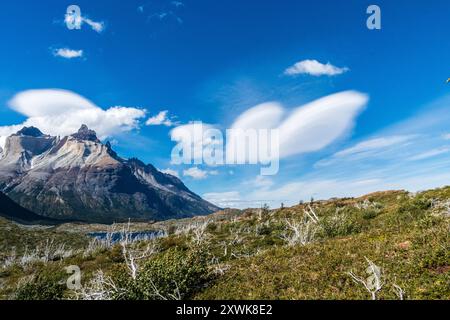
(74, 179)
(84, 133)
(30, 131)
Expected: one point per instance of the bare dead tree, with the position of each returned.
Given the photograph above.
(236, 239)
(29, 257)
(398, 291)
(199, 233)
(100, 287)
(10, 259)
(176, 295)
(224, 245)
(299, 232)
(218, 268)
(373, 283)
(311, 214)
(131, 255)
(47, 250)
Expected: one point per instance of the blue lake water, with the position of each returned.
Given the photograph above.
(134, 236)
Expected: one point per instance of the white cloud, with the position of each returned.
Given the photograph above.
(314, 68)
(371, 149)
(381, 162)
(96, 26)
(199, 174)
(61, 112)
(171, 172)
(196, 131)
(2, 143)
(224, 199)
(77, 22)
(161, 118)
(67, 53)
(236, 199)
(430, 154)
(264, 116)
(375, 144)
(177, 4)
(260, 182)
(326, 188)
(307, 128)
(195, 173)
(446, 136)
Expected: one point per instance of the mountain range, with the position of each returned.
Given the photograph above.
(78, 177)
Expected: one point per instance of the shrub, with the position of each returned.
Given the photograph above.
(411, 210)
(263, 230)
(339, 224)
(43, 286)
(175, 273)
(370, 214)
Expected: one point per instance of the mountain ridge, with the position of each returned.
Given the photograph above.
(79, 177)
(12, 211)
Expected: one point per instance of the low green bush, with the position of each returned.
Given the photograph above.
(43, 286)
(174, 273)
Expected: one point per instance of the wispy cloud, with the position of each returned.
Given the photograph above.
(199, 174)
(177, 4)
(162, 118)
(411, 155)
(77, 22)
(374, 145)
(96, 26)
(260, 182)
(67, 53)
(430, 154)
(314, 68)
(171, 172)
(166, 11)
(165, 15)
(230, 199)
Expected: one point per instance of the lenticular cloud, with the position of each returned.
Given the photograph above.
(61, 112)
(307, 128)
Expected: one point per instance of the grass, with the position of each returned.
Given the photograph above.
(247, 255)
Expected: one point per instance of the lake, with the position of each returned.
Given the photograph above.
(134, 236)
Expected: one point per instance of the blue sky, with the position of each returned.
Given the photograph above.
(211, 61)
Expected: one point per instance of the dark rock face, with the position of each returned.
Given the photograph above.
(30, 131)
(12, 211)
(78, 177)
(84, 133)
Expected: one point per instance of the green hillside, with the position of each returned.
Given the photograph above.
(395, 243)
